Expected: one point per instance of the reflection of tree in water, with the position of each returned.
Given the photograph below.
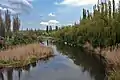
(27, 67)
(33, 64)
(19, 73)
(10, 74)
(86, 62)
(1, 76)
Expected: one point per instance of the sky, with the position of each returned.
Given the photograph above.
(37, 14)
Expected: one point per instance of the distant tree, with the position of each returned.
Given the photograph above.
(50, 28)
(75, 23)
(27, 29)
(106, 8)
(2, 27)
(16, 23)
(113, 8)
(56, 28)
(47, 29)
(7, 23)
(84, 13)
(109, 4)
(88, 14)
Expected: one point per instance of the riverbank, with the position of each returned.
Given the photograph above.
(109, 57)
(20, 56)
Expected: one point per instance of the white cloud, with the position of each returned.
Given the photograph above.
(44, 23)
(50, 22)
(16, 6)
(51, 14)
(79, 2)
(53, 22)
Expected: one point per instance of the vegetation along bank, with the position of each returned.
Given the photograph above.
(20, 47)
(99, 31)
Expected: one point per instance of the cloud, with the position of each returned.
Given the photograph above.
(51, 14)
(79, 2)
(44, 23)
(50, 22)
(16, 6)
(21, 2)
(53, 22)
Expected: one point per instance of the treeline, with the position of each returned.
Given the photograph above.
(49, 28)
(100, 28)
(26, 37)
(5, 24)
(11, 35)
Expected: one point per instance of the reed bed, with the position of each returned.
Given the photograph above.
(25, 54)
(110, 54)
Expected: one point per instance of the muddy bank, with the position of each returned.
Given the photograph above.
(24, 55)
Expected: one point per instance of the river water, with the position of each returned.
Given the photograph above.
(70, 63)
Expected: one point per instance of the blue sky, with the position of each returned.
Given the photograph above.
(42, 8)
(48, 12)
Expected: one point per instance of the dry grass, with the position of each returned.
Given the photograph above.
(22, 53)
(111, 54)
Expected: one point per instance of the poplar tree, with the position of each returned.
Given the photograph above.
(2, 27)
(84, 13)
(16, 23)
(47, 29)
(7, 23)
(113, 8)
(109, 4)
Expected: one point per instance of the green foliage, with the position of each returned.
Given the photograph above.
(101, 29)
(47, 29)
(25, 37)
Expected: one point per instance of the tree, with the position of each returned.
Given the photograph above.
(2, 27)
(7, 23)
(88, 14)
(50, 29)
(16, 23)
(102, 30)
(113, 8)
(47, 29)
(56, 28)
(109, 4)
(84, 13)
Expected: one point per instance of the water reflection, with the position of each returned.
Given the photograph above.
(86, 62)
(33, 64)
(27, 67)
(1, 76)
(83, 67)
(9, 74)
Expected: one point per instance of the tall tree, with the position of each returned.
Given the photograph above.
(109, 4)
(47, 29)
(88, 14)
(84, 13)
(119, 7)
(113, 8)
(106, 8)
(56, 28)
(7, 23)
(16, 23)
(50, 28)
(102, 8)
(98, 6)
(2, 27)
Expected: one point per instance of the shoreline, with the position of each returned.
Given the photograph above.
(24, 55)
(105, 56)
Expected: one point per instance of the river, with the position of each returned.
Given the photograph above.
(70, 63)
